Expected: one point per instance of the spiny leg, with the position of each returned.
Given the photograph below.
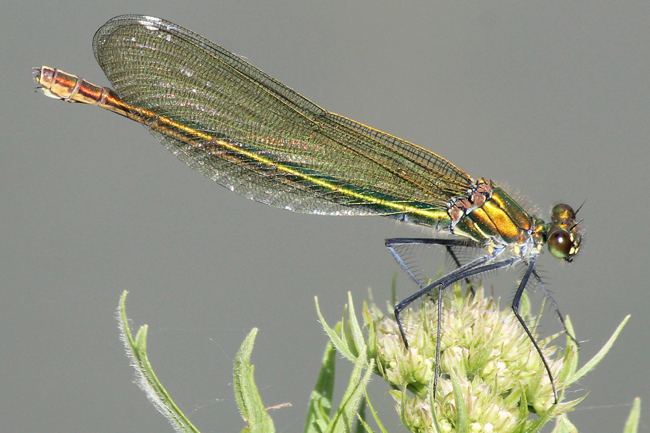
(548, 296)
(454, 258)
(447, 243)
(515, 309)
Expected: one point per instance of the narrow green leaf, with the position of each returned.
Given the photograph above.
(136, 350)
(371, 329)
(320, 404)
(570, 354)
(563, 425)
(340, 343)
(462, 421)
(393, 290)
(360, 425)
(364, 424)
(354, 329)
(374, 415)
(600, 355)
(572, 348)
(346, 412)
(632, 423)
(248, 397)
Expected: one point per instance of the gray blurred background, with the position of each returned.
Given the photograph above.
(550, 99)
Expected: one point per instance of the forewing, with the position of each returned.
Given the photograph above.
(283, 149)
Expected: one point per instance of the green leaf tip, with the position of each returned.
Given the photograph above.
(320, 404)
(591, 364)
(136, 350)
(246, 393)
(632, 423)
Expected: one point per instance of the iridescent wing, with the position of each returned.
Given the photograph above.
(284, 151)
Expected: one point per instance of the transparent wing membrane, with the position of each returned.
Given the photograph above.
(171, 71)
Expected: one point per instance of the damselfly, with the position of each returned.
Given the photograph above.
(245, 130)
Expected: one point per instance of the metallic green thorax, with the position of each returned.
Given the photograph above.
(500, 222)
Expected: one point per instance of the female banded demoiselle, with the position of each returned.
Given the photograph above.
(245, 130)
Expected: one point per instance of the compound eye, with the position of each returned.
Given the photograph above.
(559, 243)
